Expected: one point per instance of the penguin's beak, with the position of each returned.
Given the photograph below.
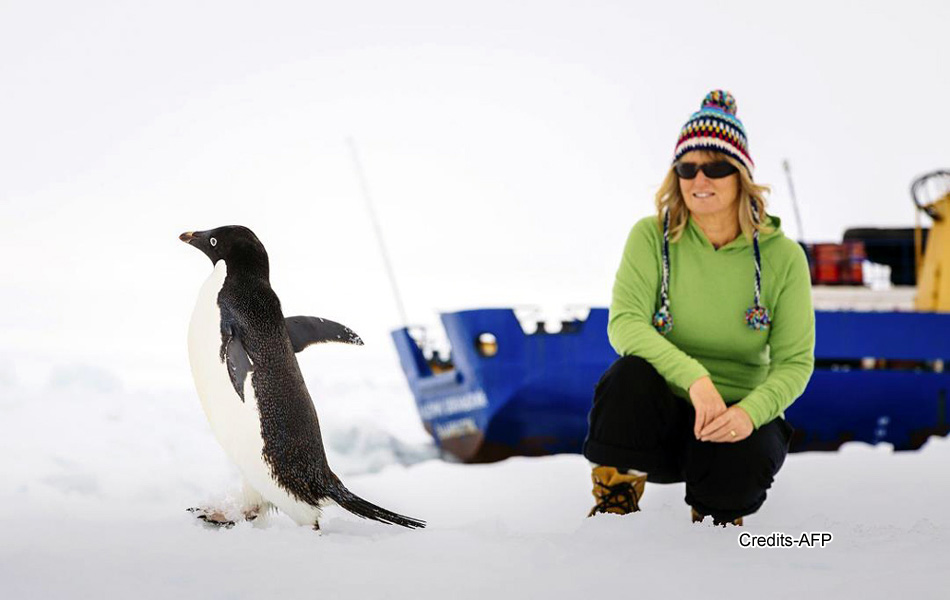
(199, 240)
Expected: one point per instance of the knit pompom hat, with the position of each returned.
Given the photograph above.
(716, 128)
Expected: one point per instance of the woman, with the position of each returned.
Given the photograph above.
(712, 318)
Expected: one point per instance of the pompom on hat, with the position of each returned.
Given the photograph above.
(715, 127)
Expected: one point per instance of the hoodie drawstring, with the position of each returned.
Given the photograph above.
(757, 317)
(662, 319)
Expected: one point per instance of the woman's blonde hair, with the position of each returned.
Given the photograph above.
(670, 197)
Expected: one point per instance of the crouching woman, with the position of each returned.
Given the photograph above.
(712, 317)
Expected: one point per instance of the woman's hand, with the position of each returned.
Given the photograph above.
(707, 402)
(731, 426)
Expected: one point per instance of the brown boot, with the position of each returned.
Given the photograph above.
(698, 518)
(616, 492)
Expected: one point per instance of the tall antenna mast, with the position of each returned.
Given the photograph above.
(791, 189)
(379, 233)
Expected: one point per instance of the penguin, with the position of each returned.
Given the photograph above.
(243, 359)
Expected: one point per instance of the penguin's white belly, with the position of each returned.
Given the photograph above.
(236, 424)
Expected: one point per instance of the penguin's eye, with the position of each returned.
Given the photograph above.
(214, 242)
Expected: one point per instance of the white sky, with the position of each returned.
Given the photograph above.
(509, 146)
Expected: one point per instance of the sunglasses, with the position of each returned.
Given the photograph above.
(713, 170)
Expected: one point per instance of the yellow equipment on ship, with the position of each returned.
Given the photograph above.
(933, 268)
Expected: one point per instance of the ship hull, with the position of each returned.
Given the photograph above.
(879, 378)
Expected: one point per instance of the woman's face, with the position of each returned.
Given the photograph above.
(705, 196)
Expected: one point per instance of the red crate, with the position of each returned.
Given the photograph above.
(852, 271)
(837, 264)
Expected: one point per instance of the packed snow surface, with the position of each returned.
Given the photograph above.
(97, 477)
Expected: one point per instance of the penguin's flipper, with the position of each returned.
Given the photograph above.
(239, 364)
(305, 331)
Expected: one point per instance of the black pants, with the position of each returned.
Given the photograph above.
(637, 423)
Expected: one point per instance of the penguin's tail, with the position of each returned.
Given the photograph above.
(368, 510)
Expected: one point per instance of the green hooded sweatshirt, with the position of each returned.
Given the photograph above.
(710, 290)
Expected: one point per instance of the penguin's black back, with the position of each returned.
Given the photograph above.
(293, 445)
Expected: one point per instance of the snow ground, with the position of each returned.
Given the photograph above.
(97, 477)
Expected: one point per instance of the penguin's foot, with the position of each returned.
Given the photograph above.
(258, 511)
(212, 516)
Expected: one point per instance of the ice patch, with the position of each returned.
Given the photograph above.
(73, 482)
(84, 376)
(365, 447)
(8, 376)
